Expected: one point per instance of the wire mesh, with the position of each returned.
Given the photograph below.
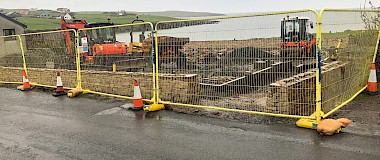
(262, 62)
(349, 44)
(10, 57)
(113, 56)
(49, 52)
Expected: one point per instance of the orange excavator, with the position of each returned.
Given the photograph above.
(104, 49)
(296, 39)
(101, 47)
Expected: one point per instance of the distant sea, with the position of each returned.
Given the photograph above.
(256, 27)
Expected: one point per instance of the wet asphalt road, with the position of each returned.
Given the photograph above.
(35, 125)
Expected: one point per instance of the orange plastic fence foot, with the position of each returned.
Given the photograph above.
(74, 93)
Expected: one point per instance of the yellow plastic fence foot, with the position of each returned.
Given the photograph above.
(74, 92)
(21, 88)
(154, 107)
(307, 123)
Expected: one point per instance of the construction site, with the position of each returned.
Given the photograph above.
(276, 74)
(183, 80)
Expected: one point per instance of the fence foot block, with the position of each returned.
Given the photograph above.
(154, 107)
(21, 88)
(307, 123)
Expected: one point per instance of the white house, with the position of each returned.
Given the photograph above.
(69, 16)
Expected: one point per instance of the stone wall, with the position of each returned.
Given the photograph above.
(179, 88)
(10, 74)
(296, 95)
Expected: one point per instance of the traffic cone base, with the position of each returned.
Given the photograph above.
(133, 107)
(21, 88)
(372, 93)
(56, 94)
(25, 89)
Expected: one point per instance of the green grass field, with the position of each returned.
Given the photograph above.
(34, 23)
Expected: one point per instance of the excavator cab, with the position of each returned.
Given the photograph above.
(102, 43)
(102, 35)
(296, 37)
(296, 29)
(137, 47)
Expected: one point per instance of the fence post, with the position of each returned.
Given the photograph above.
(157, 87)
(22, 53)
(77, 60)
(377, 47)
(154, 61)
(318, 96)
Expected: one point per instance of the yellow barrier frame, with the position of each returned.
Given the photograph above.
(79, 87)
(23, 58)
(220, 108)
(319, 34)
(155, 78)
(23, 54)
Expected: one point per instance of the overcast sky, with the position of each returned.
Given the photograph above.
(216, 6)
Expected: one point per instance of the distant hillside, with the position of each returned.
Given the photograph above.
(181, 14)
(41, 24)
(30, 18)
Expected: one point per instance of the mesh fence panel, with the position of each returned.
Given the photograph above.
(112, 57)
(263, 63)
(352, 58)
(10, 56)
(49, 52)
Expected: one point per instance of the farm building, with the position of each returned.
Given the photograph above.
(10, 46)
(9, 26)
(45, 15)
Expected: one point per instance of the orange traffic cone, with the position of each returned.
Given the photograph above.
(59, 91)
(25, 82)
(372, 81)
(137, 98)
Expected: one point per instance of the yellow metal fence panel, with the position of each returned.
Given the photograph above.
(11, 59)
(259, 64)
(112, 57)
(46, 53)
(348, 43)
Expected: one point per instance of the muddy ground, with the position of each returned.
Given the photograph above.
(364, 109)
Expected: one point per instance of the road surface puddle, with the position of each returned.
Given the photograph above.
(139, 115)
